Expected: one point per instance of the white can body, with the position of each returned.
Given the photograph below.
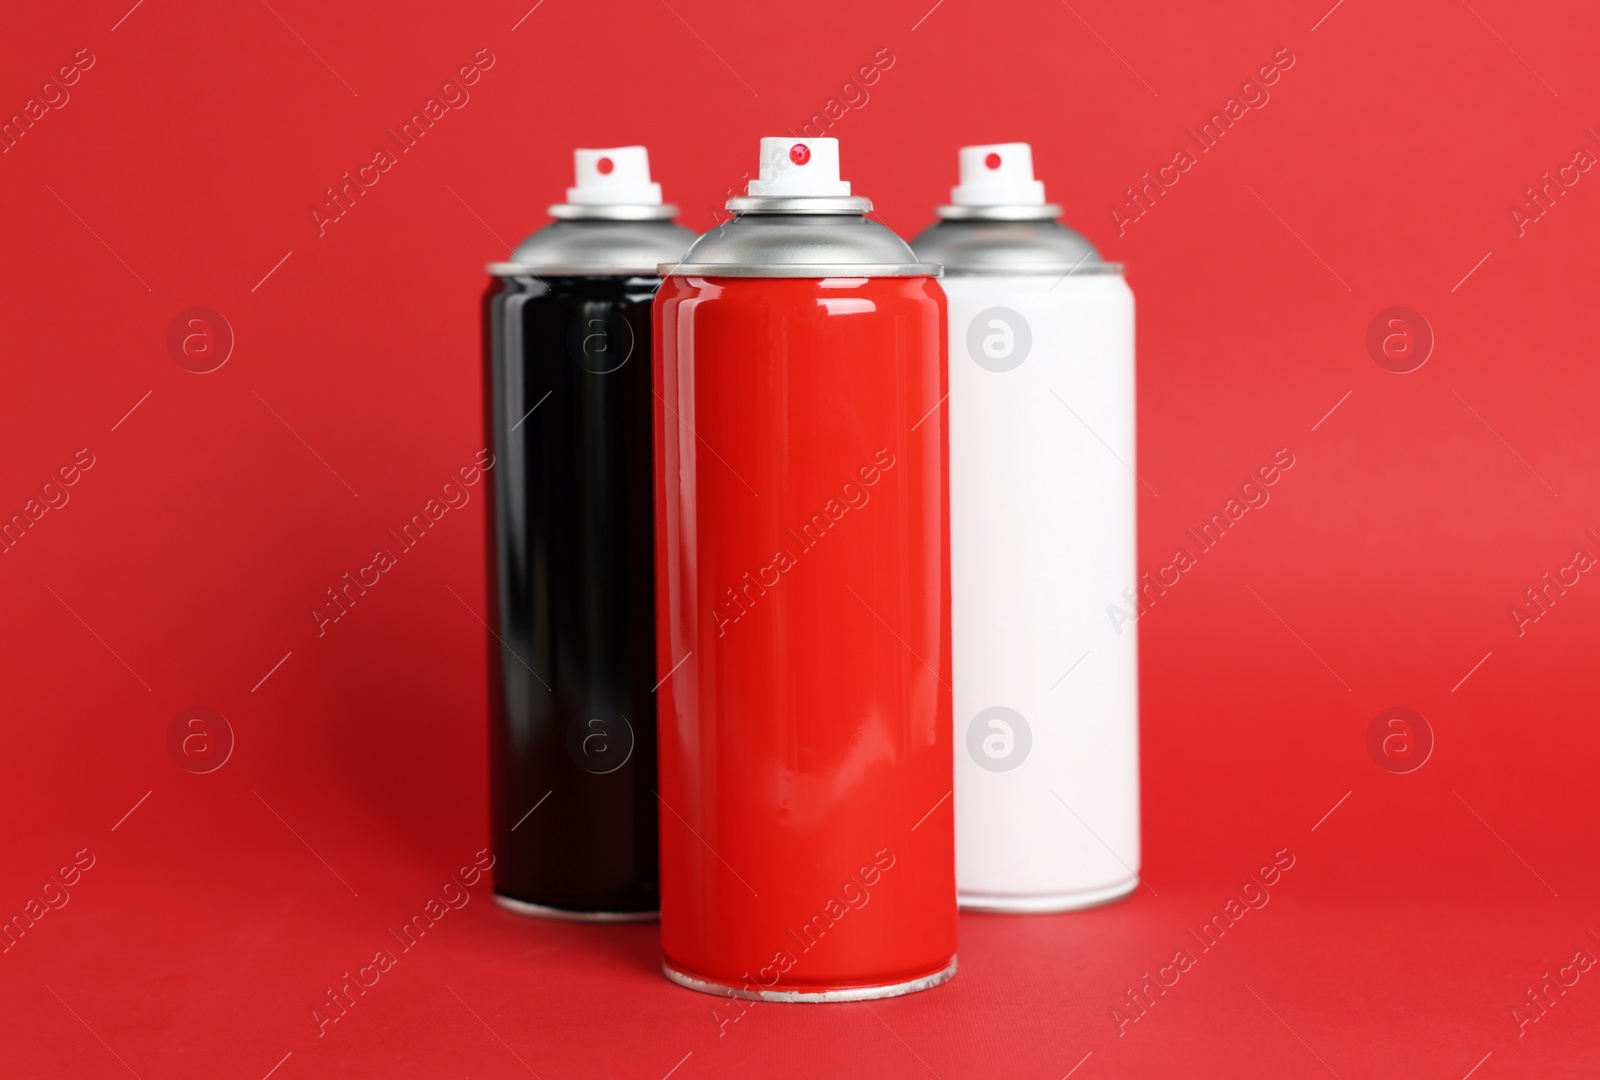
(1042, 505)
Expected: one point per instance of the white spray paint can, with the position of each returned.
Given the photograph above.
(1042, 502)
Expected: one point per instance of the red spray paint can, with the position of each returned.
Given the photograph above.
(803, 600)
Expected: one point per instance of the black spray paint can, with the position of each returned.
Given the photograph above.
(572, 728)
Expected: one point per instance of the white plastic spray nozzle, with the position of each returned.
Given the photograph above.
(799, 167)
(999, 174)
(618, 176)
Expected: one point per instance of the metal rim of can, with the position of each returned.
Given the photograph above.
(874, 252)
(1041, 270)
(1011, 212)
(598, 242)
(800, 204)
(613, 212)
(800, 270)
(1054, 264)
(854, 993)
(1047, 904)
(514, 269)
(625, 240)
(544, 911)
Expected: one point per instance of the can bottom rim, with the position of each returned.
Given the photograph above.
(542, 911)
(854, 993)
(1049, 903)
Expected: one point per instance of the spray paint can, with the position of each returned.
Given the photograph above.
(802, 597)
(572, 573)
(1042, 502)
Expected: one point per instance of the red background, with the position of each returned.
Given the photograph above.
(218, 912)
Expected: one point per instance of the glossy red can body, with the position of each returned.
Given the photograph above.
(803, 583)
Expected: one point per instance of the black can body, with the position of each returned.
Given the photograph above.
(572, 583)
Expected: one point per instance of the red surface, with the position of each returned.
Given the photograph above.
(1417, 913)
(803, 611)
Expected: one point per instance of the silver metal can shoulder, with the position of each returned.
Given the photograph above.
(596, 241)
(1008, 240)
(800, 237)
